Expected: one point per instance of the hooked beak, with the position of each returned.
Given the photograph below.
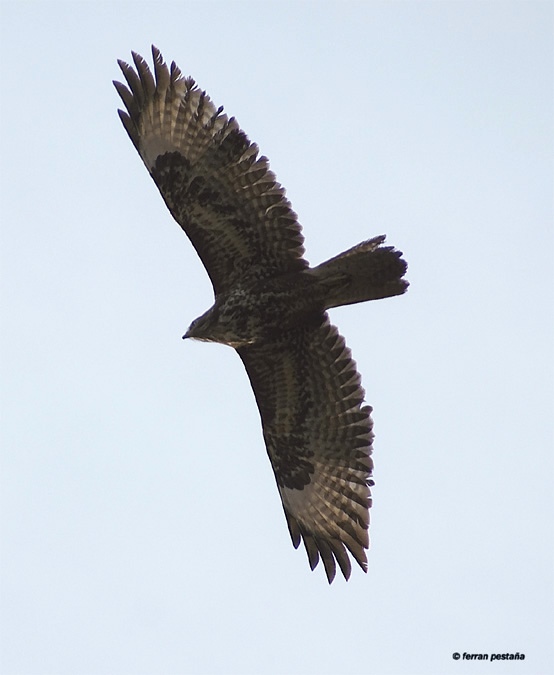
(190, 333)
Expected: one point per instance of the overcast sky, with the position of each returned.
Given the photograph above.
(141, 528)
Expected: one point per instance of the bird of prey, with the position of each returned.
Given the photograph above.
(270, 305)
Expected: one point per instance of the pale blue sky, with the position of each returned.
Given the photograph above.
(141, 529)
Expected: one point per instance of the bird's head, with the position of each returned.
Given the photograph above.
(218, 325)
(204, 327)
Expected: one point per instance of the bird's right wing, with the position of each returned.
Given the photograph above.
(318, 435)
(217, 188)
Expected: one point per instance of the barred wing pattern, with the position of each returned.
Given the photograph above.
(317, 430)
(318, 435)
(217, 188)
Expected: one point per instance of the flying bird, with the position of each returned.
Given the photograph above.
(270, 305)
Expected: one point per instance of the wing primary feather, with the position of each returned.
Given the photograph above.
(175, 72)
(160, 69)
(126, 97)
(134, 82)
(342, 557)
(358, 553)
(328, 558)
(130, 127)
(311, 550)
(146, 78)
(294, 531)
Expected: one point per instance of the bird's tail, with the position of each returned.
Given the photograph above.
(367, 271)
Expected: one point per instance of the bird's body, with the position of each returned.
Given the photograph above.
(258, 308)
(270, 305)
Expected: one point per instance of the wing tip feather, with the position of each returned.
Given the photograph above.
(331, 550)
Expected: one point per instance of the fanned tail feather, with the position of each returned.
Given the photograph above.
(367, 271)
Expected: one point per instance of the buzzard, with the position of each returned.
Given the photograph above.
(270, 305)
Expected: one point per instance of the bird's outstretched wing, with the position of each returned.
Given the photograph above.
(318, 435)
(217, 188)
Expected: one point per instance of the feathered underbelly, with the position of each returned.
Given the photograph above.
(260, 313)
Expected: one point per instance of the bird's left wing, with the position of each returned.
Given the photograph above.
(216, 186)
(318, 435)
